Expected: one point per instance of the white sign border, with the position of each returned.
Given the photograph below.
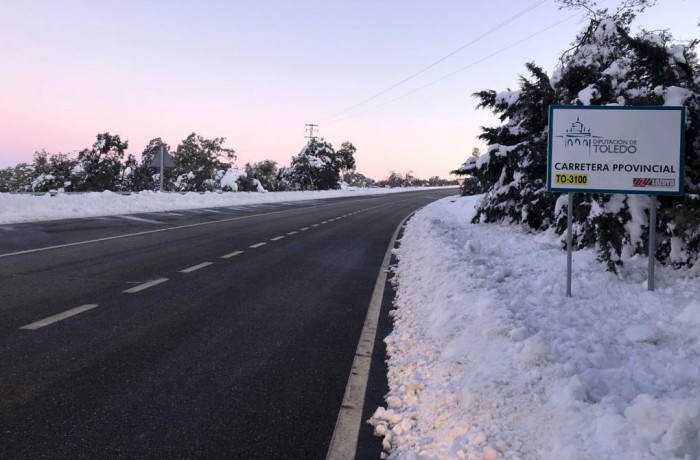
(636, 191)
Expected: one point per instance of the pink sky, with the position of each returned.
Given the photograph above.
(256, 72)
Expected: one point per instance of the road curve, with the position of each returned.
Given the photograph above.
(219, 333)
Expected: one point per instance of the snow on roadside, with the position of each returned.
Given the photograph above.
(490, 360)
(30, 208)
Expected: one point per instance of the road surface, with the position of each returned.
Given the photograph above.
(216, 333)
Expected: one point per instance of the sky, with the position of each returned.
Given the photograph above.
(257, 71)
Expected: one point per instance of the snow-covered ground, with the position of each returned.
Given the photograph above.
(490, 360)
(16, 208)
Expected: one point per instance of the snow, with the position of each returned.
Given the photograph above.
(230, 179)
(489, 359)
(16, 208)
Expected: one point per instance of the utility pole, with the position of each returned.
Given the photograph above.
(310, 128)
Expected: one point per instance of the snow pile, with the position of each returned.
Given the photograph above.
(490, 360)
(29, 208)
(230, 179)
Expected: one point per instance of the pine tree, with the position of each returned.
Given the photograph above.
(607, 65)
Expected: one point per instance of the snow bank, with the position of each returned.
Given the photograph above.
(28, 208)
(490, 360)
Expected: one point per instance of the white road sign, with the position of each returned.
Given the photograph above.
(615, 149)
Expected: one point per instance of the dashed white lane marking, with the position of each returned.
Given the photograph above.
(143, 286)
(140, 219)
(304, 229)
(324, 222)
(256, 246)
(315, 225)
(166, 213)
(196, 267)
(233, 254)
(277, 238)
(55, 318)
(292, 233)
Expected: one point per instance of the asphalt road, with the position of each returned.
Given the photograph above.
(218, 333)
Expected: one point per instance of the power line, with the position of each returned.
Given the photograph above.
(458, 70)
(485, 34)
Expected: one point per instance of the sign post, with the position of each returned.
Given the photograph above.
(616, 149)
(162, 160)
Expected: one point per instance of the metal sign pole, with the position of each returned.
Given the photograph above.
(569, 241)
(652, 242)
(162, 161)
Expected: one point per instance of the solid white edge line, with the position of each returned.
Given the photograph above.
(143, 286)
(256, 246)
(196, 267)
(55, 318)
(233, 254)
(347, 427)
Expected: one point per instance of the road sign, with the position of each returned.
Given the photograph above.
(167, 160)
(615, 149)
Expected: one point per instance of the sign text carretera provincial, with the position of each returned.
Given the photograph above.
(614, 149)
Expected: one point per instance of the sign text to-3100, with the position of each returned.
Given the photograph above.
(570, 179)
(614, 149)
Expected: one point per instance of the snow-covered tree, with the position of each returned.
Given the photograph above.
(52, 172)
(264, 172)
(607, 65)
(201, 163)
(101, 166)
(319, 167)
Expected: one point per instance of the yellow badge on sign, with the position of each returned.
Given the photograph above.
(570, 179)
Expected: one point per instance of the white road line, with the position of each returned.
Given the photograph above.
(233, 254)
(178, 227)
(166, 213)
(347, 427)
(277, 238)
(324, 222)
(256, 246)
(143, 286)
(213, 210)
(304, 229)
(55, 318)
(196, 267)
(147, 232)
(292, 233)
(315, 225)
(140, 219)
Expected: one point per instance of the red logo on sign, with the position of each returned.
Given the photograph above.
(641, 181)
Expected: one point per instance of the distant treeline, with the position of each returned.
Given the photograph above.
(199, 164)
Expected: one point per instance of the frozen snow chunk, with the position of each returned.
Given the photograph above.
(490, 453)
(518, 334)
(535, 350)
(691, 313)
(473, 247)
(479, 439)
(640, 333)
(394, 402)
(587, 94)
(571, 395)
